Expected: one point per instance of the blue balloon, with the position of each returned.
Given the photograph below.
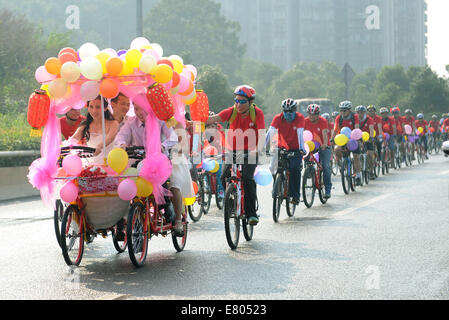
(208, 164)
(346, 131)
(263, 177)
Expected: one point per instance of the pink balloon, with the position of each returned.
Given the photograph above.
(127, 190)
(89, 90)
(408, 129)
(308, 136)
(356, 134)
(69, 192)
(72, 164)
(183, 84)
(42, 76)
(192, 69)
(154, 53)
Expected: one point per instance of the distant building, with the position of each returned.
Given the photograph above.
(364, 33)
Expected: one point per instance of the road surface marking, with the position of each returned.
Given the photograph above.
(443, 173)
(362, 205)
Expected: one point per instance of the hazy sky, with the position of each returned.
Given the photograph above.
(438, 34)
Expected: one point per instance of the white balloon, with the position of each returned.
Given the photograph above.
(89, 90)
(70, 71)
(139, 42)
(157, 47)
(88, 50)
(176, 57)
(91, 68)
(147, 63)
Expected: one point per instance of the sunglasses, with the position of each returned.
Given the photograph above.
(241, 101)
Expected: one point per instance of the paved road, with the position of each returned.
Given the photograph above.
(389, 240)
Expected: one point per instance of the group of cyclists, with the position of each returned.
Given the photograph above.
(246, 133)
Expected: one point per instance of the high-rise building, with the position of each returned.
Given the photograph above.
(363, 33)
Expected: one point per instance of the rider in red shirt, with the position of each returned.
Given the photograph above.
(347, 118)
(290, 127)
(70, 122)
(377, 128)
(389, 126)
(400, 130)
(422, 123)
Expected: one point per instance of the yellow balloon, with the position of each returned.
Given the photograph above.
(133, 57)
(147, 47)
(177, 65)
(365, 136)
(189, 201)
(217, 166)
(118, 160)
(103, 57)
(420, 129)
(311, 145)
(341, 140)
(374, 133)
(127, 69)
(162, 73)
(144, 187)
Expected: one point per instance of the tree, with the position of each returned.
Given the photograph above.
(215, 84)
(200, 29)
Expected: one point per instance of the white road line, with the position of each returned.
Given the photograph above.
(443, 173)
(362, 205)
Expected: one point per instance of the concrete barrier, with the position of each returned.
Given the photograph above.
(14, 184)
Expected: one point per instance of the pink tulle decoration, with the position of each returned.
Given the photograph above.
(43, 170)
(180, 113)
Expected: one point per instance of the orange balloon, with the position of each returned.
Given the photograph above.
(188, 91)
(69, 50)
(53, 66)
(195, 187)
(108, 88)
(114, 66)
(68, 57)
(176, 80)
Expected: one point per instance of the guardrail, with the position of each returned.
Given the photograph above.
(13, 180)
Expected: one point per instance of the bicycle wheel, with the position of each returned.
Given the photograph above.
(345, 179)
(321, 191)
(248, 230)
(180, 242)
(231, 220)
(119, 245)
(278, 196)
(291, 208)
(58, 214)
(72, 236)
(334, 167)
(308, 187)
(351, 171)
(196, 209)
(205, 205)
(137, 232)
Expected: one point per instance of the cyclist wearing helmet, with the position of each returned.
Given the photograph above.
(367, 125)
(246, 133)
(400, 129)
(290, 128)
(422, 123)
(434, 127)
(445, 126)
(377, 127)
(347, 118)
(321, 134)
(409, 119)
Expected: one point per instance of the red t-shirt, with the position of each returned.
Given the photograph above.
(391, 123)
(317, 129)
(346, 123)
(376, 120)
(68, 130)
(246, 125)
(434, 124)
(398, 122)
(287, 131)
(365, 124)
(445, 124)
(331, 126)
(422, 123)
(409, 122)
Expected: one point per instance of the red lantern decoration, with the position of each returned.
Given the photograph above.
(38, 110)
(199, 110)
(162, 104)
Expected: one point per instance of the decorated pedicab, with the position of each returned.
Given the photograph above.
(108, 196)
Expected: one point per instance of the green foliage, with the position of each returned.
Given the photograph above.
(215, 84)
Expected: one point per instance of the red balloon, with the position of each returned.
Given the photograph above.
(68, 56)
(167, 62)
(71, 50)
(176, 79)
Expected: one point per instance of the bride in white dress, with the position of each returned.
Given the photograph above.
(90, 131)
